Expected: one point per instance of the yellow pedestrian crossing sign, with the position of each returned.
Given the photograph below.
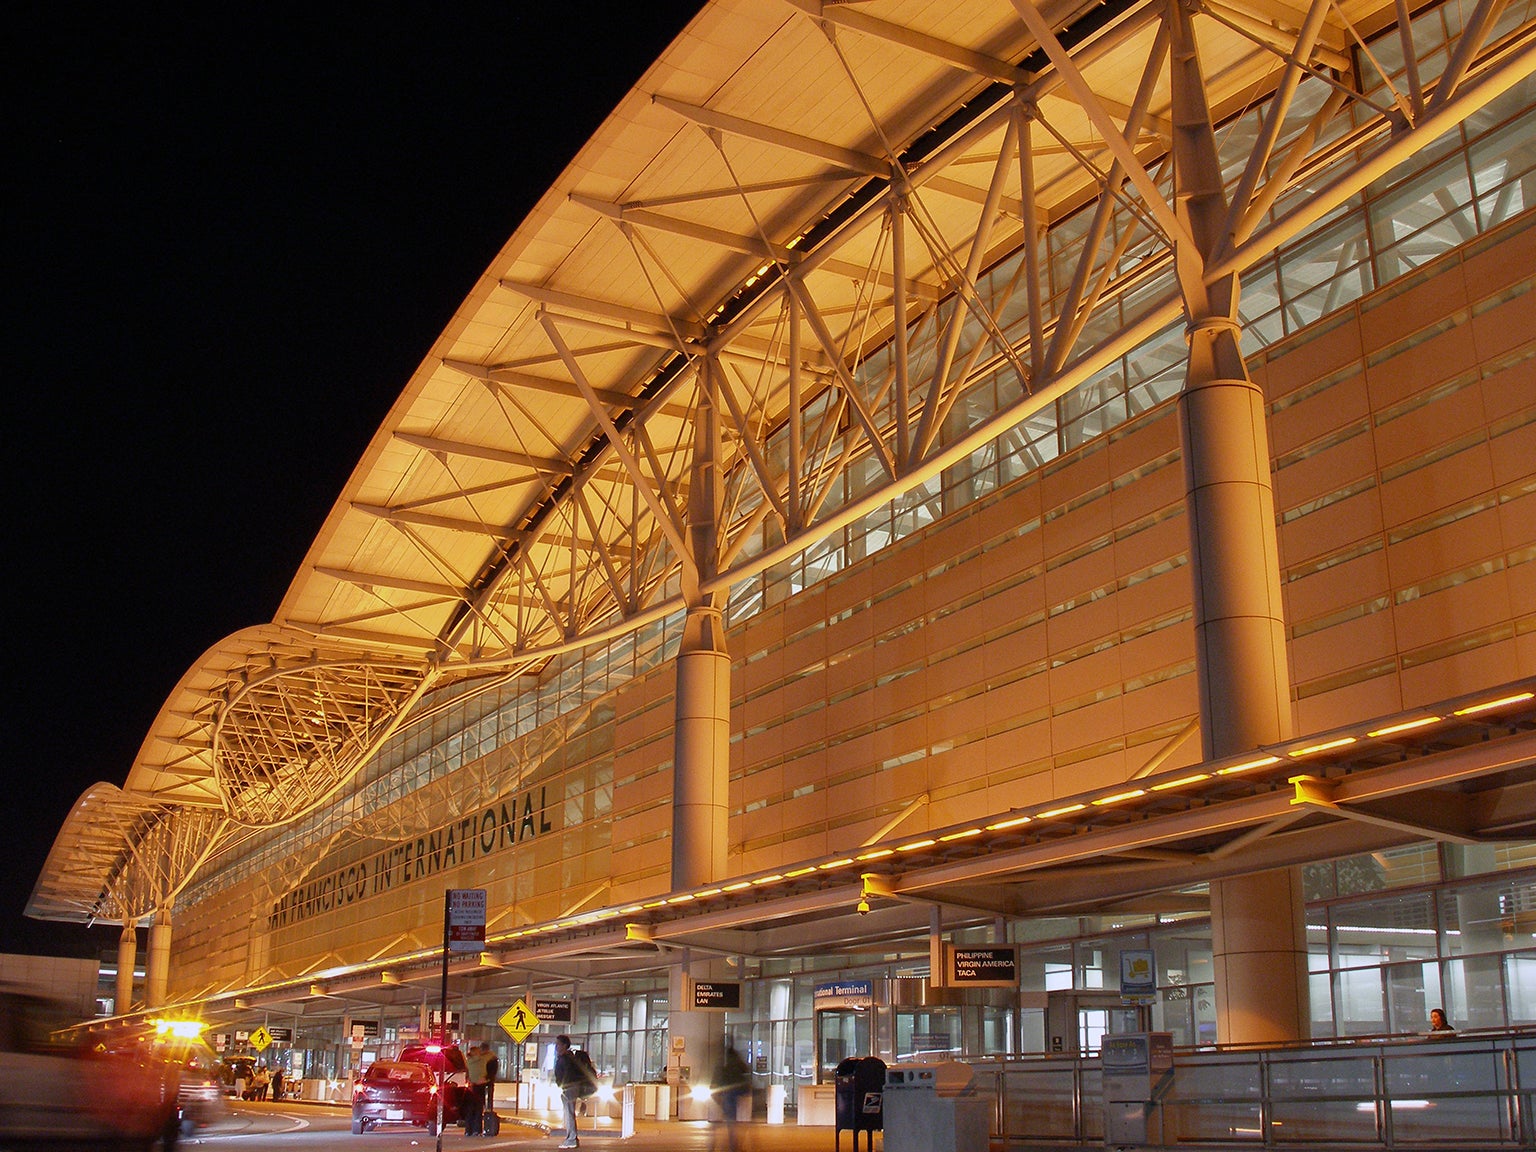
(261, 1039)
(519, 1021)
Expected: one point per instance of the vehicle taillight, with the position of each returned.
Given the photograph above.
(360, 1093)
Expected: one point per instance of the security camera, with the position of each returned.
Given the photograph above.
(863, 907)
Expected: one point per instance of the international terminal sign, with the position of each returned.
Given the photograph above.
(494, 829)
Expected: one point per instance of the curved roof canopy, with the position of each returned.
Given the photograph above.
(745, 313)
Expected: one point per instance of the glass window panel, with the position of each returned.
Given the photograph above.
(1412, 990)
(1361, 1002)
(1520, 986)
(1422, 217)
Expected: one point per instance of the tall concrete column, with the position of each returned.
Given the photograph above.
(701, 754)
(701, 741)
(157, 970)
(1258, 941)
(127, 956)
(1257, 927)
(694, 1037)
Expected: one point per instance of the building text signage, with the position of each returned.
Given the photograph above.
(716, 994)
(493, 829)
(843, 994)
(993, 967)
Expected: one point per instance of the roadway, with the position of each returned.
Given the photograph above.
(290, 1126)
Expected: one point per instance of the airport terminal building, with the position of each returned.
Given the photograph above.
(943, 512)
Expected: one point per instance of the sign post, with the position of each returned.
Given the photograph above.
(463, 931)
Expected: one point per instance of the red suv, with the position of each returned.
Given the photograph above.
(401, 1092)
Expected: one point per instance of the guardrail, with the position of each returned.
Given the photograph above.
(1464, 1092)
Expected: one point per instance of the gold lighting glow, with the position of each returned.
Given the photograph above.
(1341, 742)
(1013, 823)
(1405, 726)
(1473, 709)
(1060, 811)
(1247, 764)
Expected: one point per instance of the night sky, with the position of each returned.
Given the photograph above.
(231, 242)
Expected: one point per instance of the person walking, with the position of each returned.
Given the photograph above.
(572, 1079)
(730, 1084)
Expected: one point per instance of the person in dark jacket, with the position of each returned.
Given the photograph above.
(571, 1079)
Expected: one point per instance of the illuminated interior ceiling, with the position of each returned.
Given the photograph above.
(661, 382)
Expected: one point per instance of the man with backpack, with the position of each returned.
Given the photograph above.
(576, 1078)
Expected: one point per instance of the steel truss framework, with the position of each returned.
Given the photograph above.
(745, 318)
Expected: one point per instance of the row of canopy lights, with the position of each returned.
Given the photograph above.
(1018, 818)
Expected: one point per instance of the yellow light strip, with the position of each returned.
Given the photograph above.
(877, 854)
(1181, 781)
(630, 910)
(1405, 726)
(768, 879)
(1471, 709)
(654, 904)
(708, 892)
(684, 899)
(1341, 742)
(799, 872)
(843, 863)
(1119, 796)
(969, 832)
(1060, 811)
(1012, 823)
(928, 843)
(737, 887)
(1246, 765)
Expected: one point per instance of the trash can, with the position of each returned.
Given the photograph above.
(935, 1108)
(860, 1085)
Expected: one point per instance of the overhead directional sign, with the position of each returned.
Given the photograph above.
(552, 1011)
(716, 994)
(261, 1039)
(519, 1021)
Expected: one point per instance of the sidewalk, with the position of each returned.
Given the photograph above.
(543, 1129)
(686, 1135)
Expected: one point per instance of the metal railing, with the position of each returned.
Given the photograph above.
(1464, 1092)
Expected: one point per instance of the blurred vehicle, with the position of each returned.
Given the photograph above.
(401, 1092)
(75, 1092)
(200, 1097)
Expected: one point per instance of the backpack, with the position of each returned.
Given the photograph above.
(584, 1067)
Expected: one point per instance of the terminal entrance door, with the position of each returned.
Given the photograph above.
(1077, 1020)
(840, 1033)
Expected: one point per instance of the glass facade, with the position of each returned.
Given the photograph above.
(1390, 934)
